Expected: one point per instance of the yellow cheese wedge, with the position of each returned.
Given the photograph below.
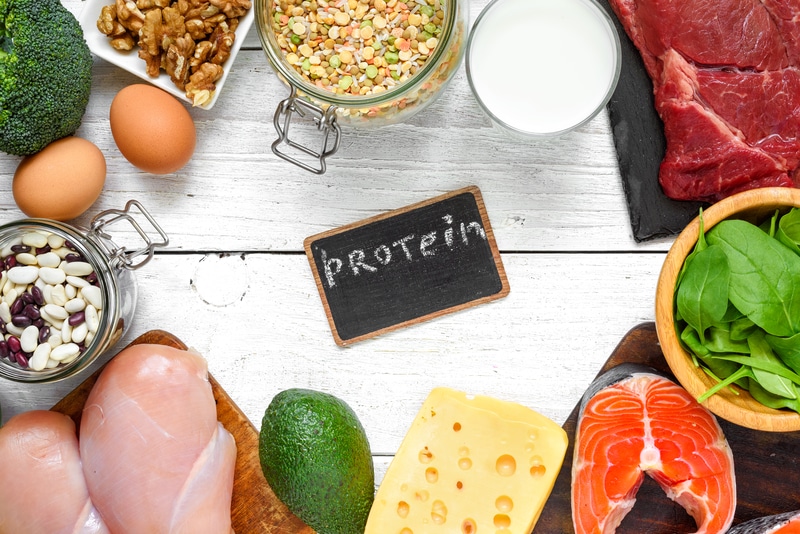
(469, 465)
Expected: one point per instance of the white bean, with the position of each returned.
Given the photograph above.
(89, 338)
(52, 275)
(58, 295)
(77, 281)
(56, 312)
(34, 239)
(8, 286)
(26, 258)
(75, 305)
(5, 312)
(78, 268)
(79, 332)
(14, 329)
(66, 332)
(55, 241)
(29, 339)
(40, 357)
(52, 321)
(47, 293)
(62, 352)
(92, 318)
(51, 364)
(93, 295)
(70, 291)
(23, 274)
(55, 340)
(48, 259)
(10, 296)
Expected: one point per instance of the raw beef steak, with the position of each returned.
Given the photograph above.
(726, 78)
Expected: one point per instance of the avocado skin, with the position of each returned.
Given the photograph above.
(316, 458)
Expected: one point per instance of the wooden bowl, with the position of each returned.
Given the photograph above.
(754, 206)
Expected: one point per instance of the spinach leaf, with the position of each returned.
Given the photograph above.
(702, 297)
(789, 230)
(721, 340)
(742, 328)
(743, 372)
(764, 276)
(787, 349)
(772, 401)
(774, 383)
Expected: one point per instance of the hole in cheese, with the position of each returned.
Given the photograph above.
(502, 521)
(425, 456)
(469, 527)
(432, 475)
(403, 509)
(506, 465)
(464, 463)
(504, 504)
(456, 426)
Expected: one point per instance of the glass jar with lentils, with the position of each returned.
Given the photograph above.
(363, 62)
(67, 294)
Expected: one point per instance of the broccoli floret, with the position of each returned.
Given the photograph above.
(45, 74)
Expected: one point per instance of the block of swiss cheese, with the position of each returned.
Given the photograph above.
(469, 464)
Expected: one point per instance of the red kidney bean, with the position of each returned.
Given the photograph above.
(20, 248)
(44, 334)
(31, 311)
(12, 357)
(4, 352)
(10, 262)
(44, 250)
(70, 245)
(21, 321)
(22, 359)
(27, 298)
(92, 278)
(13, 344)
(38, 296)
(77, 318)
(17, 306)
(3, 328)
(38, 323)
(73, 256)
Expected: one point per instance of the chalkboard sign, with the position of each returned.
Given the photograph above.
(406, 266)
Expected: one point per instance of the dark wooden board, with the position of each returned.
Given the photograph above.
(640, 144)
(254, 507)
(767, 465)
(407, 265)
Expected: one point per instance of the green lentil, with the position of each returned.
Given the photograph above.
(391, 57)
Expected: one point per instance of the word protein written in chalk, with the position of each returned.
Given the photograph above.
(407, 265)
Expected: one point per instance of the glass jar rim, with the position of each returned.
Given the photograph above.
(276, 59)
(106, 282)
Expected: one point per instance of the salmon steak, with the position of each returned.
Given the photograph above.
(634, 421)
(786, 523)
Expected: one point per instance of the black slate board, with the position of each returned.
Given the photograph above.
(767, 465)
(639, 139)
(408, 265)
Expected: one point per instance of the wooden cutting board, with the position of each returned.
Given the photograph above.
(254, 508)
(766, 463)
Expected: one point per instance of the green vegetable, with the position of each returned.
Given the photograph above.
(737, 307)
(316, 458)
(45, 74)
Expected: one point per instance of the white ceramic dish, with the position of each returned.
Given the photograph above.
(100, 46)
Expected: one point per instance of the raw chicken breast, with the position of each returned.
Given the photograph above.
(42, 489)
(155, 458)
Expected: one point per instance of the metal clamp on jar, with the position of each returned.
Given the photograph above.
(67, 294)
(358, 63)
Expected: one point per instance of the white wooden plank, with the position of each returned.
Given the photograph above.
(259, 321)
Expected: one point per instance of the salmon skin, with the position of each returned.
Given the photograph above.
(634, 420)
(786, 523)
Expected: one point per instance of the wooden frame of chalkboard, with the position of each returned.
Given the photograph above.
(407, 266)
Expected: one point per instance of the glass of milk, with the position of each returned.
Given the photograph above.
(542, 68)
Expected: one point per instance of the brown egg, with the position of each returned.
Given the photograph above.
(60, 182)
(152, 129)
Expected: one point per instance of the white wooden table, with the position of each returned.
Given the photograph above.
(235, 283)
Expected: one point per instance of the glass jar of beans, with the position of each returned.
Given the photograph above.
(67, 294)
(360, 63)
